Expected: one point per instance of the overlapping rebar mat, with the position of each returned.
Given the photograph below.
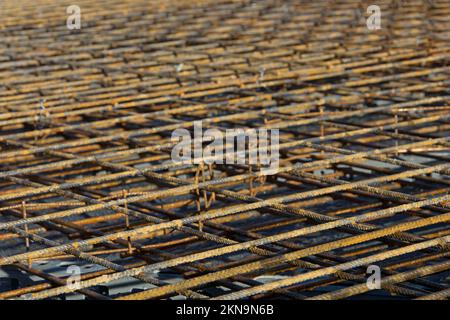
(92, 204)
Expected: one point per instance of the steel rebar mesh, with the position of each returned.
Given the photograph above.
(86, 171)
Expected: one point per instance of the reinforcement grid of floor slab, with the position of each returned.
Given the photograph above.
(87, 180)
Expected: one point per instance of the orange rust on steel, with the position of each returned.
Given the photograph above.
(86, 169)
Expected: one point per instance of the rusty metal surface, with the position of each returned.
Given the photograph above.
(86, 177)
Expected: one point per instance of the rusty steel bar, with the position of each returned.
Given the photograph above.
(88, 175)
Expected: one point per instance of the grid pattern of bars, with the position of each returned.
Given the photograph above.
(86, 118)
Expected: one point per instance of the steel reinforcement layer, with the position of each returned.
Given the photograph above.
(93, 206)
